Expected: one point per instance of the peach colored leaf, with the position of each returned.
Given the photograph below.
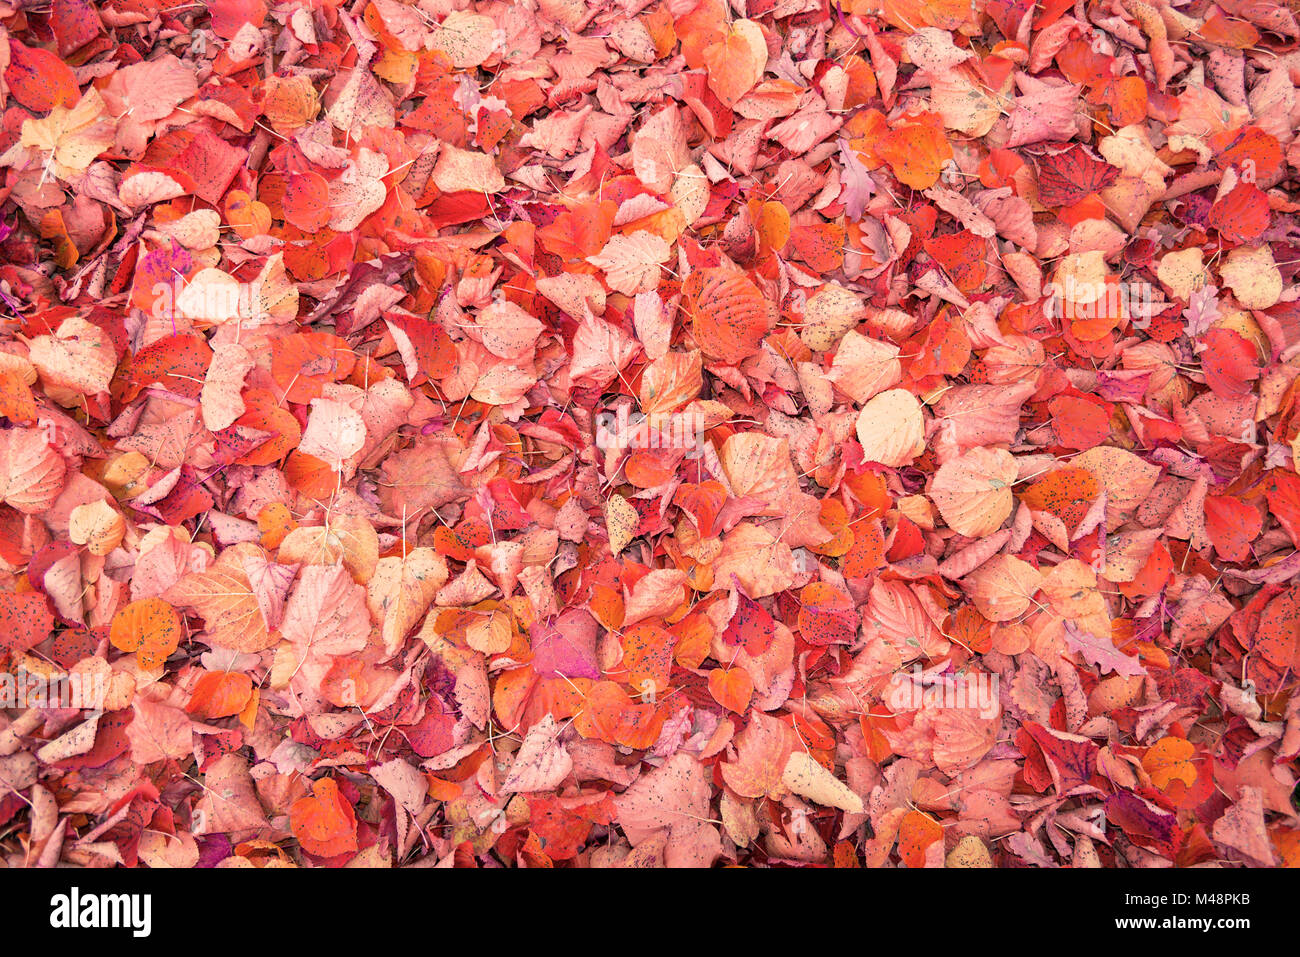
(899, 617)
(403, 781)
(220, 398)
(1001, 588)
(763, 564)
(962, 736)
(600, 351)
(670, 382)
(659, 149)
(891, 429)
(350, 539)
(507, 330)
(759, 466)
(631, 263)
(164, 560)
(401, 591)
(229, 798)
(420, 478)
(1101, 652)
(828, 315)
(326, 613)
(467, 38)
(762, 752)
(541, 763)
(211, 297)
(31, 472)
(335, 433)
(224, 599)
(973, 491)
(79, 740)
(72, 138)
(358, 191)
(621, 520)
(808, 778)
(653, 327)
(79, 357)
(1126, 479)
(98, 526)
(1242, 828)
(467, 170)
(270, 583)
(159, 732)
(657, 594)
(672, 801)
(864, 367)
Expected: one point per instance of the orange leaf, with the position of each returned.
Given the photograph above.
(773, 226)
(610, 715)
(736, 61)
(261, 412)
(246, 215)
(150, 627)
(732, 688)
(1168, 760)
(219, 694)
(729, 315)
(38, 79)
(916, 833)
(275, 522)
(826, 615)
(1066, 493)
(324, 823)
(16, 400)
(302, 362)
(916, 152)
(647, 656)
(306, 201)
(1232, 525)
